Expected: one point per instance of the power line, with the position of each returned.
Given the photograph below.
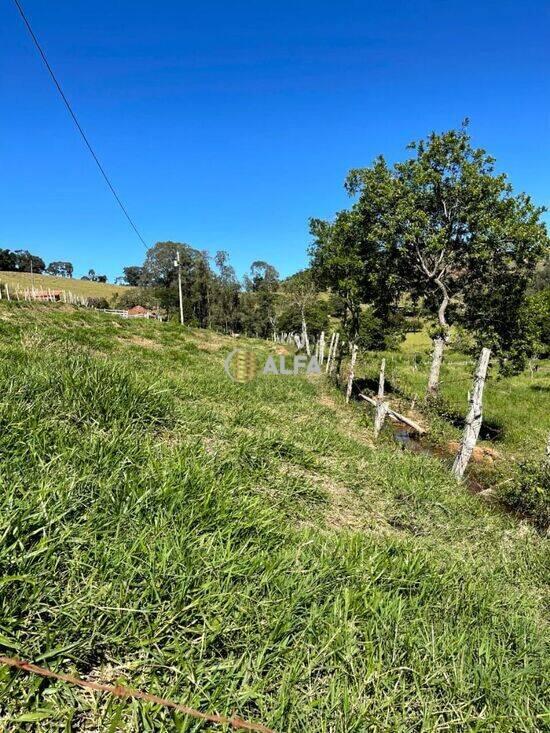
(75, 120)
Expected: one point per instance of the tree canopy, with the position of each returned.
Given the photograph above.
(59, 268)
(442, 226)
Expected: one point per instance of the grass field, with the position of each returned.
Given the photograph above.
(247, 547)
(85, 288)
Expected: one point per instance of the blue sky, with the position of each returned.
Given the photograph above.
(227, 125)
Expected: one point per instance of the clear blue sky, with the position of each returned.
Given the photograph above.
(227, 124)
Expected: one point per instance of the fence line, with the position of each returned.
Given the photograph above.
(126, 314)
(129, 693)
(43, 296)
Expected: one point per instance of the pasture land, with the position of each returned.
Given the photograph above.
(85, 288)
(247, 547)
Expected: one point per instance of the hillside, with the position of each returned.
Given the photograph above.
(245, 547)
(23, 280)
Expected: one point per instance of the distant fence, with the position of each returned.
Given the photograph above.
(42, 296)
(65, 296)
(127, 314)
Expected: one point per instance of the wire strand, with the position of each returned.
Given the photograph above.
(129, 692)
(75, 120)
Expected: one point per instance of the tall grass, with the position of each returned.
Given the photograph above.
(242, 547)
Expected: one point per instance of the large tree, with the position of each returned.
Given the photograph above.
(133, 275)
(349, 259)
(300, 291)
(259, 300)
(226, 295)
(160, 272)
(451, 230)
(159, 268)
(8, 260)
(336, 265)
(59, 268)
(27, 262)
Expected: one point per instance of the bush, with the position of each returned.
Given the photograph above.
(414, 325)
(529, 492)
(98, 303)
(137, 296)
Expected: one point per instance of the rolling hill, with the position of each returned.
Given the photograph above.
(86, 288)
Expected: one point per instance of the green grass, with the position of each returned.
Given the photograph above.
(242, 547)
(84, 288)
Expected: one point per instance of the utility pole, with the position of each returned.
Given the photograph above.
(178, 265)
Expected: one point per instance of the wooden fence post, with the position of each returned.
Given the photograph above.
(334, 352)
(330, 351)
(474, 418)
(351, 375)
(381, 406)
(7, 292)
(321, 348)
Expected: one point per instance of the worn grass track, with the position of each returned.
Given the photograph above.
(242, 548)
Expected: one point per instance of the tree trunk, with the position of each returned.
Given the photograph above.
(547, 460)
(439, 342)
(435, 368)
(322, 348)
(474, 417)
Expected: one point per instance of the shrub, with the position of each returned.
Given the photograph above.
(529, 492)
(98, 303)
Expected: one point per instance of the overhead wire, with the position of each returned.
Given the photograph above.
(76, 122)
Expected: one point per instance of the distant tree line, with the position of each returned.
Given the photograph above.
(213, 297)
(21, 260)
